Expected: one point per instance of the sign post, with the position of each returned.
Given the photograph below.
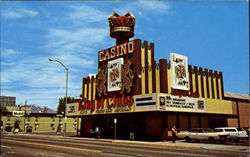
(115, 121)
(24, 116)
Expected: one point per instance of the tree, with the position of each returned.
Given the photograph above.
(61, 105)
(3, 109)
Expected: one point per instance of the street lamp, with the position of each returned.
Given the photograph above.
(51, 60)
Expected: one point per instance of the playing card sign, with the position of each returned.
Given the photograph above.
(179, 71)
(114, 75)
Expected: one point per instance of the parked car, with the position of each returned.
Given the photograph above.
(200, 134)
(235, 134)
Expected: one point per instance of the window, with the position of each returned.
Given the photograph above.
(208, 130)
(230, 130)
(199, 130)
(52, 126)
(218, 130)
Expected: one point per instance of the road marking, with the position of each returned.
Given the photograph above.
(57, 155)
(5, 146)
(165, 145)
(55, 146)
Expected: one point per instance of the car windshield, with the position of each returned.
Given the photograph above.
(240, 129)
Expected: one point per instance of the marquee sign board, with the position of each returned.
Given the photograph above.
(147, 102)
(167, 102)
(18, 113)
(179, 72)
(71, 109)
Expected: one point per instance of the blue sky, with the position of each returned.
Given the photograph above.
(213, 34)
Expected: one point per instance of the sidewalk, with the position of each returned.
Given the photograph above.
(177, 144)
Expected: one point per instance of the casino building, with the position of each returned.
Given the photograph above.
(145, 96)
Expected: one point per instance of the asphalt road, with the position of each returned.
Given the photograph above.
(58, 146)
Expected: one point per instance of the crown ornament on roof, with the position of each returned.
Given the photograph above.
(121, 27)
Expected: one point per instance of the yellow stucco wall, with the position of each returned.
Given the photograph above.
(42, 124)
(219, 106)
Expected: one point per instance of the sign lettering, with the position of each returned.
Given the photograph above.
(116, 51)
(119, 102)
(181, 103)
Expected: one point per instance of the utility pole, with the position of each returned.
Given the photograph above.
(66, 90)
(115, 121)
(24, 116)
(77, 123)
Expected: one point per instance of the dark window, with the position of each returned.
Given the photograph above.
(230, 130)
(208, 130)
(240, 129)
(218, 130)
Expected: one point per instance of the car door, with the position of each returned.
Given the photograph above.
(200, 134)
(193, 134)
(233, 133)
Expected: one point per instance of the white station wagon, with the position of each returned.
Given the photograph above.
(200, 134)
(234, 133)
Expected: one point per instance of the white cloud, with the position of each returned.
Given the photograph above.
(69, 38)
(19, 13)
(8, 53)
(155, 6)
(140, 7)
(12, 15)
(87, 14)
(76, 47)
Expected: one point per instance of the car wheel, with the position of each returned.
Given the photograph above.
(187, 139)
(211, 140)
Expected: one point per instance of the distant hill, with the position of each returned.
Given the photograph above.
(41, 109)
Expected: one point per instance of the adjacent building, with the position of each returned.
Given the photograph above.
(7, 101)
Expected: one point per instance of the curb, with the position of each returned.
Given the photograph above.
(90, 139)
(151, 144)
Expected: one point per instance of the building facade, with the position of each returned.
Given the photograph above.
(146, 97)
(39, 123)
(7, 100)
(241, 108)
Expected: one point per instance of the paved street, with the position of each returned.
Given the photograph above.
(59, 146)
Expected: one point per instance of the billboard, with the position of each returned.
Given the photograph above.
(168, 102)
(179, 72)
